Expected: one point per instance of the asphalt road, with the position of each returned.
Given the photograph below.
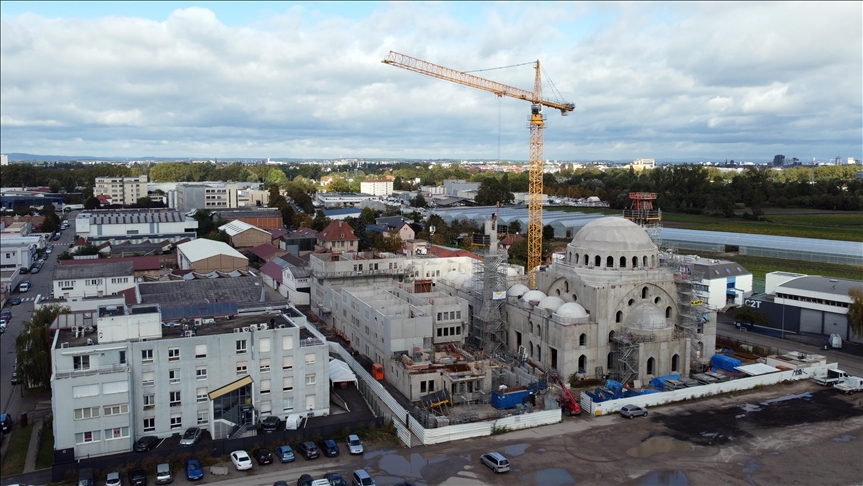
(41, 283)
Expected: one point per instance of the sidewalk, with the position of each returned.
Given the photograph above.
(33, 448)
(36, 404)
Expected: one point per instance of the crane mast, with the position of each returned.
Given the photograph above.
(536, 123)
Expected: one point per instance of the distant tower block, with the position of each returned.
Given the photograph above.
(643, 214)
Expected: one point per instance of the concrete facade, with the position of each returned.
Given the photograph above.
(121, 190)
(75, 282)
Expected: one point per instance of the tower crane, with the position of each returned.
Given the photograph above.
(536, 123)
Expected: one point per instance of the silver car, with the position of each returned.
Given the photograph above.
(191, 436)
(630, 411)
(354, 445)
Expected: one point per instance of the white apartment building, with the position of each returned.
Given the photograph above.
(207, 196)
(18, 252)
(122, 190)
(4, 160)
(134, 226)
(377, 187)
(128, 376)
(75, 282)
(720, 282)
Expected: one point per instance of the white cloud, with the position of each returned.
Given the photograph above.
(654, 80)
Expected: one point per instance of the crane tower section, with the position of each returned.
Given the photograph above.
(536, 123)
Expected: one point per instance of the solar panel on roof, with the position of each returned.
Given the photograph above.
(202, 310)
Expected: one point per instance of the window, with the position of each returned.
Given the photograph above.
(582, 340)
(650, 365)
(173, 376)
(86, 413)
(120, 409)
(264, 345)
(149, 424)
(86, 437)
(288, 383)
(265, 365)
(241, 346)
(582, 364)
(173, 354)
(266, 408)
(203, 418)
(200, 351)
(287, 342)
(288, 404)
(618, 317)
(241, 367)
(146, 356)
(116, 433)
(81, 391)
(310, 379)
(122, 357)
(175, 398)
(675, 363)
(149, 401)
(81, 362)
(115, 387)
(200, 372)
(201, 394)
(265, 387)
(310, 359)
(287, 362)
(176, 421)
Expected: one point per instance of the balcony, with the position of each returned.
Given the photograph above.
(101, 370)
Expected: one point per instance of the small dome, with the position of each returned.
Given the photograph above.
(648, 317)
(612, 234)
(511, 272)
(572, 310)
(468, 282)
(517, 290)
(533, 296)
(551, 303)
(451, 276)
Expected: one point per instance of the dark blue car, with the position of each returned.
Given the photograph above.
(194, 471)
(329, 448)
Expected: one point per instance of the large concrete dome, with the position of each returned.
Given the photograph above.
(551, 303)
(533, 296)
(648, 317)
(571, 310)
(517, 290)
(612, 235)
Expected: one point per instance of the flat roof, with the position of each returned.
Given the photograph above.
(830, 285)
(105, 269)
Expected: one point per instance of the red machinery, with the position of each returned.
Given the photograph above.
(566, 401)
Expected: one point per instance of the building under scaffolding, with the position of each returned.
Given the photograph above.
(488, 324)
(645, 215)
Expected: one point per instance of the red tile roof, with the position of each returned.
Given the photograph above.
(444, 252)
(273, 270)
(511, 239)
(277, 233)
(337, 231)
(130, 295)
(264, 251)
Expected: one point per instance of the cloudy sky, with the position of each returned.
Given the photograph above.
(685, 81)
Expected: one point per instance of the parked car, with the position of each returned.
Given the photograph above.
(5, 423)
(24, 286)
(113, 479)
(241, 460)
(144, 444)
(137, 477)
(36, 268)
(354, 445)
(270, 424)
(335, 479)
(305, 480)
(163, 474)
(194, 471)
(280, 483)
(15, 301)
(308, 450)
(24, 270)
(630, 411)
(330, 448)
(361, 478)
(85, 477)
(191, 436)
(285, 453)
(263, 456)
(495, 461)
(14, 377)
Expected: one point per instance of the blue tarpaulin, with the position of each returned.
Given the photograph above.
(659, 381)
(723, 362)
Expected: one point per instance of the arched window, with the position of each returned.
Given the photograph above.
(618, 317)
(539, 331)
(668, 312)
(569, 257)
(566, 286)
(609, 262)
(586, 260)
(582, 363)
(644, 292)
(538, 353)
(558, 292)
(650, 364)
(630, 302)
(644, 263)
(622, 262)
(582, 340)
(656, 300)
(531, 326)
(574, 298)
(699, 349)
(577, 259)
(531, 349)
(611, 336)
(597, 261)
(610, 363)
(652, 261)
(634, 262)
(675, 363)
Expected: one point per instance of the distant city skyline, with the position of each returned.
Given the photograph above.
(669, 81)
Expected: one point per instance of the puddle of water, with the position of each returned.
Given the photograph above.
(397, 465)
(549, 477)
(748, 407)
(752, 467)
(541, 450)
(662, 478)
(786, 398)
(776, 453)
(515, 449)
(844, 438)
(657, 445)
(395, 480)
(373, 454)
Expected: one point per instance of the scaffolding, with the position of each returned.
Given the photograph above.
(488, 325)
(625, 347)
(643, 214)
(690, 307)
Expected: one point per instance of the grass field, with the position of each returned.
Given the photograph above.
(16, 451)
(46, 450)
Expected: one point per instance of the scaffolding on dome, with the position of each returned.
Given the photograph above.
(625, 347)
(643, 214)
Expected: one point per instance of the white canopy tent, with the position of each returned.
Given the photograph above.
(340, 372)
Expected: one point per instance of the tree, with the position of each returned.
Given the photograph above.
(320, 222)
(91, 202)
(419, 202)
(367, 215)
(388, 241)
(514, 227)
(33, 346)
(855, 310)
(548, 232)
(491, 191)
(749, 315)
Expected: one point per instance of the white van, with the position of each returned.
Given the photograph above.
(293, 421)
(24, 286)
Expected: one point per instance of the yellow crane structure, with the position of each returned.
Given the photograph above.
(536, 124)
